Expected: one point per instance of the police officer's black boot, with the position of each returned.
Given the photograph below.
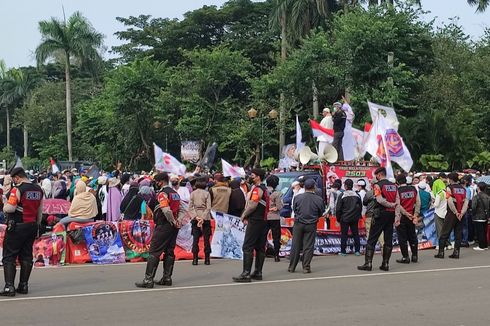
(368, 265)
(244, 277)
(415, 251)
(9, 274)
(386, 258)
(207, 259)
(151, 268)
(25, 273)
(259, 264)
(440, 254)
(404, 250)
(455, 254)
(276, 255)
(195, 259)
(168, 269)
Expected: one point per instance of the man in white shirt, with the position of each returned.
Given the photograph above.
(327, 123)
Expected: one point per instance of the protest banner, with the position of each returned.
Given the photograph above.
(49, 249)
(104, 243)
(228, 236)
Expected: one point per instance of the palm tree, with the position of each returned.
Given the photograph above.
(481, 4)
(4, 88)
(74, 39)
(21, 85)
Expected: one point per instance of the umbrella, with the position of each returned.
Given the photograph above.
(485, 178)
(56, 206)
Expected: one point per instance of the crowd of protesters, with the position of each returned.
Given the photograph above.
(461, 208)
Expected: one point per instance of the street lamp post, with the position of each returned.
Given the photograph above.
(252, 114)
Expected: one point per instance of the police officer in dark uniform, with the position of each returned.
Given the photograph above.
(405, 227)
(24, 212)
(457, 205)
(168, 218)
(388, 200)
(255, 217)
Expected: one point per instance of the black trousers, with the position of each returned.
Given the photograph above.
(337, 144)
(197, 232)
(275, 227)
(164, 240)
(383, 223)
(18, 243)
(255, 237)
(406, 232)
(304, 236)
(344, 231)
(451, 222)
(481, 233)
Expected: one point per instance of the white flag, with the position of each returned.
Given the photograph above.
(376, 145)
(384, 111)
(359, 148)
(232, 171)
(166, 162)
(299, 135)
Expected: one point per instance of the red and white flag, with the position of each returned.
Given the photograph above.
(54, 166)
(232, 171)
(166, 162)
(318, 130)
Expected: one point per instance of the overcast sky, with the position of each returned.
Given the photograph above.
(19, 19)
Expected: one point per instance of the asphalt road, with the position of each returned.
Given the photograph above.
(432, 292)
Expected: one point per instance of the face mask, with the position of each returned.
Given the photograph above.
(175, 183)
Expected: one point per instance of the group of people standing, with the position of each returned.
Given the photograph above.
(167, 198)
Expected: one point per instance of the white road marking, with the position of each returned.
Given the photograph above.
(94, 294)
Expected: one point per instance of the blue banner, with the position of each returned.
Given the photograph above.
(104, 243)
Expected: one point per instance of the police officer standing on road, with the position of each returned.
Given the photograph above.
(405, 227)
(457, 205)
(168, 218)
(24, 212)
(388, 200)
(255, 217)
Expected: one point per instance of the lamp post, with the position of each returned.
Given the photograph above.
(252, 114)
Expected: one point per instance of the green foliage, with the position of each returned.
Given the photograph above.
(269, 163)
(481, 161)
(434, 162)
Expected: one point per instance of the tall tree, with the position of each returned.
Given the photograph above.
(21, 84)
(70, 41)
(481, 5)
(4, 87)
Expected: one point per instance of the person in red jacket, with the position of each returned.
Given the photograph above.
(405, 227)
(387, 209)
(24, 211)
(168, 219)
(457, 205)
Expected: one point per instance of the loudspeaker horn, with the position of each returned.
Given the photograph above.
(306, 155)
(329, 154)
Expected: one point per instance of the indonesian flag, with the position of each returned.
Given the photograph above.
(318, 130)
(166, 162)
(232, 171)
(54, 166)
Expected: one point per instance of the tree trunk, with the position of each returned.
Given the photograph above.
(257, 156)
(315, 100)
(8, 126)
(68, 106)
(282, 104)
(26, 140)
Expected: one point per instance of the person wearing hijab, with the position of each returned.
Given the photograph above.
(46, 187)
(83, 208)
(114, 200)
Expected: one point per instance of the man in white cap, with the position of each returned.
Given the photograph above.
(326, 123)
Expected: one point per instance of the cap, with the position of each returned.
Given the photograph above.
(74, 170)
(101, 180)
(326, 110)
(361, 182)
(422, 185)
(310, 184)
(337, 104)
(17, 171)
